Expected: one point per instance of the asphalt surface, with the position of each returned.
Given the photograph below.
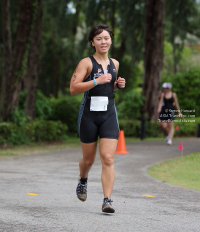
(53, 176)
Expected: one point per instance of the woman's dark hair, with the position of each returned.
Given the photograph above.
(96, 30)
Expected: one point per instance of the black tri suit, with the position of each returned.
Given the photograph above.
(167, 112)
(104, 123)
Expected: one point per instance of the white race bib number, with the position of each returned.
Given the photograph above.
(98, 103)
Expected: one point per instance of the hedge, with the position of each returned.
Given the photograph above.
(38, 130)
(132, 128)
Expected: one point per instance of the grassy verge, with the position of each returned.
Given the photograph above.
(39, 147)
(45, 147)
(182, 171)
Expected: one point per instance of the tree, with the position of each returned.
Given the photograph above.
(22, 36)
(7, 47)
(180, 17)
(33, 63)
(153, 56)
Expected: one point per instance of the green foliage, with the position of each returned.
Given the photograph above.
(188, 59)
(130, 107)
(187, 85)
(43, 106)
(187, 126)
(41, 130)
(34, 131)
(66, 110)
(43, 109)
(19, 118)
(132, 128)
(12, 134)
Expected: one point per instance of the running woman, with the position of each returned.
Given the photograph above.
(166, 111)
(96, 76)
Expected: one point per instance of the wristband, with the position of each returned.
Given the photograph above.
(118, 86)
(95, 82)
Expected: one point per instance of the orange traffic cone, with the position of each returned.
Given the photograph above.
(121, 149)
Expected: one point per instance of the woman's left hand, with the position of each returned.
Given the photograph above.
(121, 82)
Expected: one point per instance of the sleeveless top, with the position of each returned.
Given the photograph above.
(168, 102)
(106, 89)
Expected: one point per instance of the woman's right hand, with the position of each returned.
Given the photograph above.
(105, 78)
(159, 110)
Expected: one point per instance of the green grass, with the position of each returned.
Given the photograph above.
(45, 147)
(182, 171)
(39, 147)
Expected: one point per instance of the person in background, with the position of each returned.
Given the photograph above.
(168, 100)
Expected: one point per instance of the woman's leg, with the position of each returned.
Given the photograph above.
(107, 153)
(164, 126)
(171, 130)
(89, 155)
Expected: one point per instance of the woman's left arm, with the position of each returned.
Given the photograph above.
(177, 105)
(121, 82)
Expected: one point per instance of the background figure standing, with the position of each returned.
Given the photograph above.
(166, 111)
(96, 76)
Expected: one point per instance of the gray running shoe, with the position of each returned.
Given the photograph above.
(107, 206)
(81, 191)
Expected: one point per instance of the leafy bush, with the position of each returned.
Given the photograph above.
(39, 130)
(43, 106)
(66, 110)
(12, 134)
(130, 127)
(153, 129)
(130, 107)
(18, 117)
(186, 127)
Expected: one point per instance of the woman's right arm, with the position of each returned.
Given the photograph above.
(82, 71)
(160, 102)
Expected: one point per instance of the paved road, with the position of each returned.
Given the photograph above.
(54, 175)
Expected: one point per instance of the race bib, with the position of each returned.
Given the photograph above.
(98, 103)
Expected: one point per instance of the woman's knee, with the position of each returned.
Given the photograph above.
(107, 159)
(164, 126)
(89, 161)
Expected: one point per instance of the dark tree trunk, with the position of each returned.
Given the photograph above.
(7, 48)
(33, 63)
(153, 56)
(56, 73)
(22, 36)
(76, 16)
(113, 26)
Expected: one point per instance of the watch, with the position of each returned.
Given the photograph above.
(95, 82)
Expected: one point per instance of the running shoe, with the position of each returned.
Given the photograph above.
(81, 191)
(107, 206)
(169, 142)
(167, 138)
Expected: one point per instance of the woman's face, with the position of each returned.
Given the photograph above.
(102, 42)
(167, 90)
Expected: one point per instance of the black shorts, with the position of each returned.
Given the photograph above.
(94, 124)
(166, 116)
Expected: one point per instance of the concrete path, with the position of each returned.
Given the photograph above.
(53, 175)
